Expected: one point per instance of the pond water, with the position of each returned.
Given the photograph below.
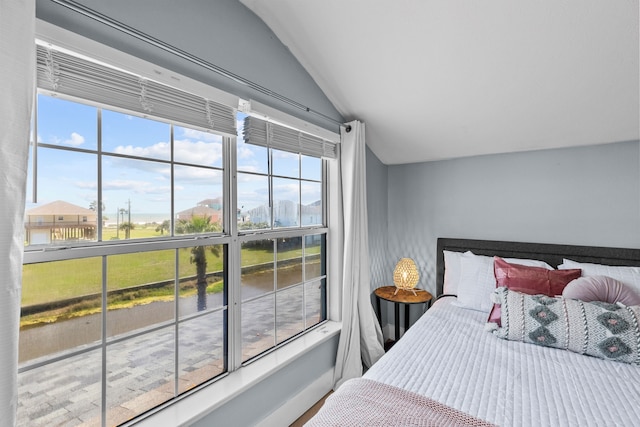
(73, 333)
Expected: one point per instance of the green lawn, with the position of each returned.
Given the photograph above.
(66, 279)
(139, 232)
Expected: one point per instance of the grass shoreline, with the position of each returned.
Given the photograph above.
(60, 290)
(115, 302)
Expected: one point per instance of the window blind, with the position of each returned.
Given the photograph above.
(267, 134)
(60, 72)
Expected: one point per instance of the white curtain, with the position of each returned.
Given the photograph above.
(17, 68)
(361, 337)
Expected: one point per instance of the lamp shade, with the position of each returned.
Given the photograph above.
(405, 275)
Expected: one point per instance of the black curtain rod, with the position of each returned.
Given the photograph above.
(117, 25)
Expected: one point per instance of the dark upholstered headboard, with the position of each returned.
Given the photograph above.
(550, 253)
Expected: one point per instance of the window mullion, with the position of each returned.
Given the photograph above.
(99, 177)
(234, 303)
(275, 292)
(176, 325)
(304, 282)
(271, 204)
(103, 397)
(34, 147)
(172, 208)
(299, 190)
(234, 307)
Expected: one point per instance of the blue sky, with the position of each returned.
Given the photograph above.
(73, 175)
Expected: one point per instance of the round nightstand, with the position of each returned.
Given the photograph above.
(397, 297)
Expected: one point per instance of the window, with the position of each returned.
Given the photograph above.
(136, 272)
(144, 320)
(280, 195)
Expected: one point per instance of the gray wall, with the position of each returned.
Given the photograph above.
(584, 196)
(227, 34)
(265, 397)
(221, 32)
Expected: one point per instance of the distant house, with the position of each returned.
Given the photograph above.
(200, 211)
(311, 214)
(285, 214)
(59, 221)
(212, 203)
(260, 214)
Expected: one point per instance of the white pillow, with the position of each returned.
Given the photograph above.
(630, 276)
(452, 271)
(477, 280)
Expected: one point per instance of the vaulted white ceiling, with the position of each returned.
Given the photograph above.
(437, 79)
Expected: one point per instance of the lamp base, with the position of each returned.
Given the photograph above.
(407, 289)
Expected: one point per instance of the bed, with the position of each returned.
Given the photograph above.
(450, 368)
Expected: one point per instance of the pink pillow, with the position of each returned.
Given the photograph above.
(529, 280)
(601, 288)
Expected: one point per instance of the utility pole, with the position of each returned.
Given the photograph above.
(129, 228)
(118, 223)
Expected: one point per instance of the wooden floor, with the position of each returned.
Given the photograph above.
(310, 413)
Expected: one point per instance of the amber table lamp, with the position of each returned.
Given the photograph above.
(405, 275)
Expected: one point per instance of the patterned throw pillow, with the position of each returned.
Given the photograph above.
(607, 331)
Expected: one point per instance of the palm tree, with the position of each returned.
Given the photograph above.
(94, 205)
(199, 224)
(122, 212)
(166, 224)
(127, 227)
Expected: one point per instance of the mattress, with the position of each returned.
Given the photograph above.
(449, 357)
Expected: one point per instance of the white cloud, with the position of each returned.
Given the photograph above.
(197, 174)
(310, 193)
(252, 198)
(245, 152)
(200, 135)
(121, 185)
(165, 173)
(246, 177)
(92, 185)
(198, 152)
(151, 189)
(248, 168)
(124, 167)
(286, 191)
(138, 187)
(287, 188)
(76, 140)
(185, 150)
(284, 155)
(161, 150)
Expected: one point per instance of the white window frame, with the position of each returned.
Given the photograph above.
(272, 361)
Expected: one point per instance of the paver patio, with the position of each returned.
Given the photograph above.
(141, 371)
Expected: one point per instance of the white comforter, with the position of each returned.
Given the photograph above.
(448, 356)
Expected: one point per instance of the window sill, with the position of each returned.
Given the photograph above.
(197, 405)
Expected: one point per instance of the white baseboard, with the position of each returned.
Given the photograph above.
(292, 409)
